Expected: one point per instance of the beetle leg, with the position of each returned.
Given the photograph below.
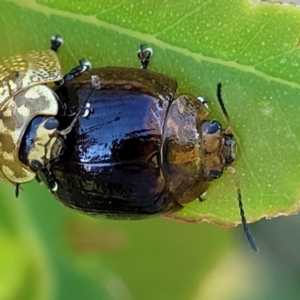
(81, 68)
(17, 190)
(49, 179)
(88, 110)
(204, 102)
(144, 55)
(95, 81)
(83, 111)
(56, 42)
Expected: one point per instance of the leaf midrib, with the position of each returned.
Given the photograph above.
(151, 39)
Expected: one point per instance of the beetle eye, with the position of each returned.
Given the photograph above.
(36, 165)
(51, 123)
(213, 127)
(215, 174)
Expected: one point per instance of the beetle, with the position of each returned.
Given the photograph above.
(135, 150)
(112, 141)
(25, 99)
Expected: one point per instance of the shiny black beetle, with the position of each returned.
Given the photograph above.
(133, 149)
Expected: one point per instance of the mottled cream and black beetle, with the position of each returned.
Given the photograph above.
(25, 96)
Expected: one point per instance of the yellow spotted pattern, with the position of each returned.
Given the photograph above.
(19, 72)
(24, 95)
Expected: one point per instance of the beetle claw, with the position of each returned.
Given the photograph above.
(88, 110)
(56, 42)
(54, 188)
(144, 55)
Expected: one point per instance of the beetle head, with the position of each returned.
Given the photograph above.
(219, 149)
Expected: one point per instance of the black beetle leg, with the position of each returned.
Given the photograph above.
(56, 42)
(83, 111)
(49, 178)
(17, 190)
(144, 55)
(81, 68)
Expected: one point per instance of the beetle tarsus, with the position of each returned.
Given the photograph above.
(88, 110)
(83, 66)
(144, 55)
(17, 190)
(56, 42)
(82, 111)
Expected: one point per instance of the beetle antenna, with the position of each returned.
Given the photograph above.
(242, 212)
(234, 172)
(221, 102)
